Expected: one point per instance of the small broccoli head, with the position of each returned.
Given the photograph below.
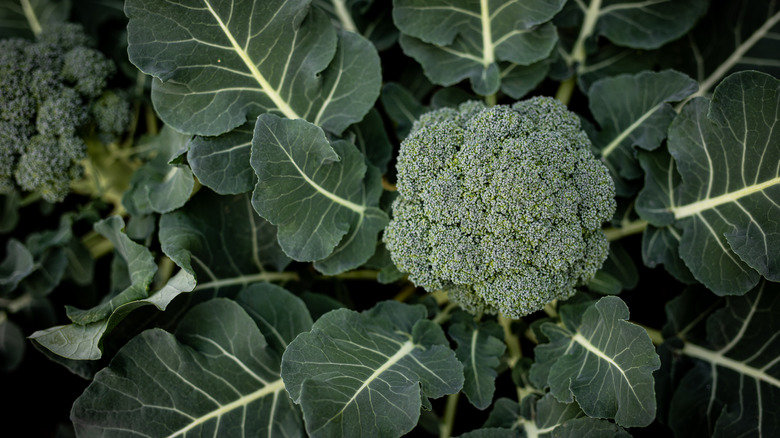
(48, 166)
(501, 207)
(112, 114)
(88, 70)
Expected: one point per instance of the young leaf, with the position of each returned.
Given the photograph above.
(216, 376)
(455, 39)
(402, 107)
(733, 385)
(220, 64)
(16, 266)
(363, 374)
(480, 347)
(12, 344)
(662, 246)
(160, 186)
(725, 151)
(314, 192)
(602, 361)
(222, 163)
(222, 242)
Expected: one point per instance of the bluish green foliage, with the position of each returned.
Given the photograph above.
(501, 207)
(46, 89)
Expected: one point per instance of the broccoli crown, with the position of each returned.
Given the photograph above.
(500, 206)
(47, 87)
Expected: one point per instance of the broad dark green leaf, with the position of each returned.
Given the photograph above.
(282, 321)
(363, 374)
(662, 246)
(634, 111)
(480, 346)
(322, 197)
(219, 64)
(732, 386)
(159, 186)
(610, 60)
(733, 36)
(222, 163)
(600, 360)
(222, 242)
(458, 39)
(617, 274)
(217, 376)
(12, 344)
(728, 191)
(371, 139)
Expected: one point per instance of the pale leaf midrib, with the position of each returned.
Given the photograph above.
(585, 343)
(271, 388)
(697, 352)
(269, 90)
(694, 208)
(488, 56)
(613, 145)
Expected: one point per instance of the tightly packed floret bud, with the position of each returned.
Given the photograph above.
(501, 207)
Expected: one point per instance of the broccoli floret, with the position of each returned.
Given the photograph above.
(47, 88)
(112, 114)
(500, 206)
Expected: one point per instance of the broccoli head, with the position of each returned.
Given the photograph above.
(48, 88)
(500, 206)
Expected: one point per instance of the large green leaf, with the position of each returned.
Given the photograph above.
(218, 64)
(363, 374)
(634, 111)
(728, 194)
(483, 41)
(480, 347)
(735, 35)
(216, 377)
(322, 196)
(222, 163)
(600, 360)
(729, 381)
(222, 242)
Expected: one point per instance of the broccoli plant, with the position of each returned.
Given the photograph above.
(327, 218)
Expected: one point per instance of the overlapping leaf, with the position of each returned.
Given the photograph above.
(480, 347)
(489, 42)
(219, 64)
(364, 374)
(602, 361)
(216, 376)
(369, 18)
(222, 163)
(728, 193)
(222, 242)
(83, 340)
(727, 382)
(322, 196)
(634, 110)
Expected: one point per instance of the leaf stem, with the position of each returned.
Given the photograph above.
(32, 19)
(565, 90)
(248, 279)
(512, 341)
(491, 99)
(445, 429)
(445, 313)
(359, 274)
(17, 303)
(655, 335)
(345, 18)
(625, 229)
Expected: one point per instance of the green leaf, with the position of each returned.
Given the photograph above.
(222, 242)
(222, 163)
(221, 64)
(402, 107)
(12, 344)
(371, 139)
(662, 246)
(159, 186)
(279, 314)
(617, 274)
(732, 386)
(602, 361)
(736, 35)
(140, 267)
(480, 347)
(367, 17)
(16, 266)
(726, 197)
(216, 376)
(634, 110)
(9, 211)
(457, 39)
(363, 374)
(314, 192)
